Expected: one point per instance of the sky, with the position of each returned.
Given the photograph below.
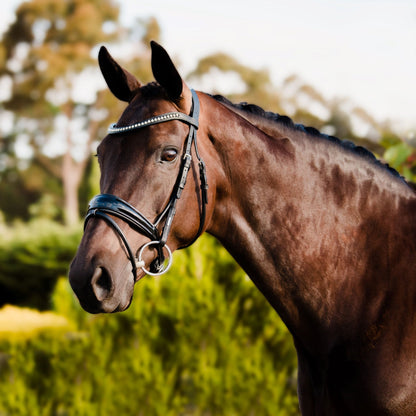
(364, 50)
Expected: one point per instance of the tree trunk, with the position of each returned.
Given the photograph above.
(70, 184)
(72, 171)
(70, 179)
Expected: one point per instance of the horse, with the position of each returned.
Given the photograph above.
(324, 230)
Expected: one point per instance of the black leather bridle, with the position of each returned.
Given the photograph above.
(104, 205)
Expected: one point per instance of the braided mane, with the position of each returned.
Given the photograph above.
(285, 121)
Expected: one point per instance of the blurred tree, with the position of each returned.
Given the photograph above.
(257, 85)
(57, 96)
(47, 52)
(152, 30)
(20, 188)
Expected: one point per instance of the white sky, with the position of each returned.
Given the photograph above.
(361, 49)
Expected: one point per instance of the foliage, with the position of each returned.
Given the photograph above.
(402, 157)
(202, 341)
(57, 37)
(32, 256)
(16, 195)
(48, 56)
(48, 51)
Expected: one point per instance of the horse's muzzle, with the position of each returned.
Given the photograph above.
(98, 291)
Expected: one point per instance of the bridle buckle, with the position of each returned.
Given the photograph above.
(162, 268)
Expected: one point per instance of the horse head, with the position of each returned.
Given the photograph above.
(144, 211)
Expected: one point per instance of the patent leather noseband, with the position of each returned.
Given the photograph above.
(104, 205)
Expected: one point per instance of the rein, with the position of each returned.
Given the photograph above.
(104, 205)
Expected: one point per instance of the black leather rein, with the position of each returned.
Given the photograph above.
(104, 205)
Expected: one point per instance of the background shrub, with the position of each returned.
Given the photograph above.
(32, 256)
(200, 341)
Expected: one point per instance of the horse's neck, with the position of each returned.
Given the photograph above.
(253, 201)
(281, 212)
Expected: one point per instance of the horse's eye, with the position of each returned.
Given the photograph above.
(169, 155)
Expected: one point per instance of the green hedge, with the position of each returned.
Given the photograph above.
(199, 341)
(32, 256)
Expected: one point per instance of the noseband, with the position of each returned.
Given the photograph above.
(104, 205)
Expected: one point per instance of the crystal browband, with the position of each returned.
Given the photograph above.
(113, 129)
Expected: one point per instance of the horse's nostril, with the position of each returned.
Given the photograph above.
(101, 283)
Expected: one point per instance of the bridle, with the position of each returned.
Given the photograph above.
(104, 205)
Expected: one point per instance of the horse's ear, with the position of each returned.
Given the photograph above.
(165, 72)
(121, 83)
